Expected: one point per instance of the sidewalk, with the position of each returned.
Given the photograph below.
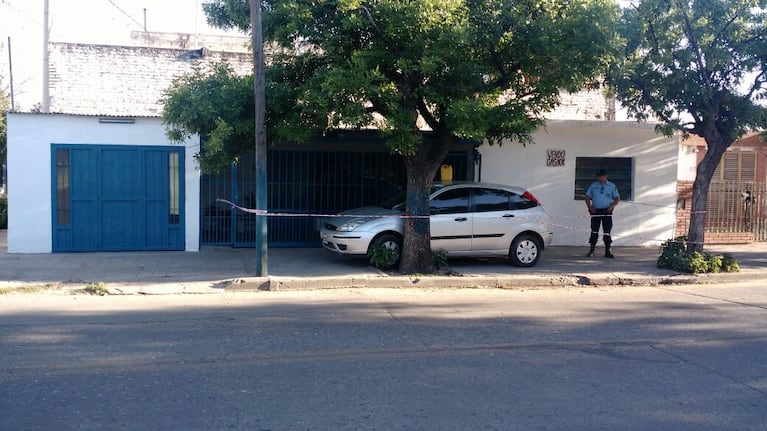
(217, 269)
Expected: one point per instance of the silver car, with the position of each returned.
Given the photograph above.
(467, 220)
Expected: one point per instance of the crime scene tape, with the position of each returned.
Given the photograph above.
(585, 229)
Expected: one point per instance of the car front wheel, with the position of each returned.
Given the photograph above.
(525, 251)
(385, 251)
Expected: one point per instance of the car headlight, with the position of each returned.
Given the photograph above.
(351, 225)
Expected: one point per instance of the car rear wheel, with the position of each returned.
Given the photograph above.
(385, 251)
(525, 251)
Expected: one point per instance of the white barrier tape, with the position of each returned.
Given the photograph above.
(271, 214)
(586, 229)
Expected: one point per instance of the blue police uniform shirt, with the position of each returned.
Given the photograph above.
(602, 195)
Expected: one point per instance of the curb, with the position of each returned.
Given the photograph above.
(276, 284)
(284, 284)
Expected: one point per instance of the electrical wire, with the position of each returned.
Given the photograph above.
(126, 14)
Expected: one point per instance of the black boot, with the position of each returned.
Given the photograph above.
(608, 253)
(591, 252)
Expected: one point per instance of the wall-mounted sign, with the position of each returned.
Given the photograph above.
(555, 157)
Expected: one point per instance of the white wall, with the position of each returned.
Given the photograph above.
(29, 170)
(647, 220)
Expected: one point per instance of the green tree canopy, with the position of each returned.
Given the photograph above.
(698, 67)
(215, 103)
(5, 105)
(473, 69)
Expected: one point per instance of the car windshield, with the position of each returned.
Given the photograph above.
(397, 201)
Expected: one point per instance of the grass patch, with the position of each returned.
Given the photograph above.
(25, 289)
(99, 289)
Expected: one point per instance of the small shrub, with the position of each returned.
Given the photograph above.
(729, 264)
(670, 250)
(99, 289)
(440, 259)
(381, 257)
(714, 263)
(693, 262)
(674, 255)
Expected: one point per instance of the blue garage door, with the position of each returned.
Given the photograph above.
(116, 198)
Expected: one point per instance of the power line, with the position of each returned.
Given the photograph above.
(20, 12)
(127, 14)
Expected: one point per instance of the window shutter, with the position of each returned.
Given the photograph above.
(736, 166)
(748, 166)
(730, 166)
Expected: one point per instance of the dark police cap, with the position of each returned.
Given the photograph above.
(601, 172)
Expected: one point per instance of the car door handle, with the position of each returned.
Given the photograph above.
(508, 215)
(461, 219)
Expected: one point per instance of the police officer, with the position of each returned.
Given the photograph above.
(601, 198)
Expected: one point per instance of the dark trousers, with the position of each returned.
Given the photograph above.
(606, 220)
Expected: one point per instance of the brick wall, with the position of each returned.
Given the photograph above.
(584, 105)
(120, 80)
(684, 197)
(130, 80)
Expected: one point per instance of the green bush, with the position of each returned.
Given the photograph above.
(3, 212)
(729, 264)
(674, 255)
(381, 257)
(714, 263)
(99, 289)
(692, 262)
(670, 250)
(440, 259)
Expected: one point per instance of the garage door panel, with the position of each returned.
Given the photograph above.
(84, 216)
(121, 173)
(119, 225)
(156, 235)
(117, 198)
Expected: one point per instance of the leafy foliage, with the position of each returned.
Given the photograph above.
(5, 105)
(99, 289)
(670, 250)
(216, 104)
(381, 257)
(675, 255)
(699, 68)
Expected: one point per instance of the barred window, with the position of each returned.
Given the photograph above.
(620, 171)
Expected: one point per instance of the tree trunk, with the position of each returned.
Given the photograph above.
(416, 249)
(421, 169)
(704, 174)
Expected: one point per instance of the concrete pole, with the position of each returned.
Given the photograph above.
(45, 102)
(260, 123)
(10, 75)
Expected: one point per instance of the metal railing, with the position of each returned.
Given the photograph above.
(737, 207)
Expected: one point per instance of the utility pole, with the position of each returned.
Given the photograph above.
(45, 103)
(260, 118)
(10, 74)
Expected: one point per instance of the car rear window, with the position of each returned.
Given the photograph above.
(500, 200)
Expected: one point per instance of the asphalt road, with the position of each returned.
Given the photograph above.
(687, 357)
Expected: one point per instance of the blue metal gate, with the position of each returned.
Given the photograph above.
(117, 197)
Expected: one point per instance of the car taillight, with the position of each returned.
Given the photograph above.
(529, 196)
